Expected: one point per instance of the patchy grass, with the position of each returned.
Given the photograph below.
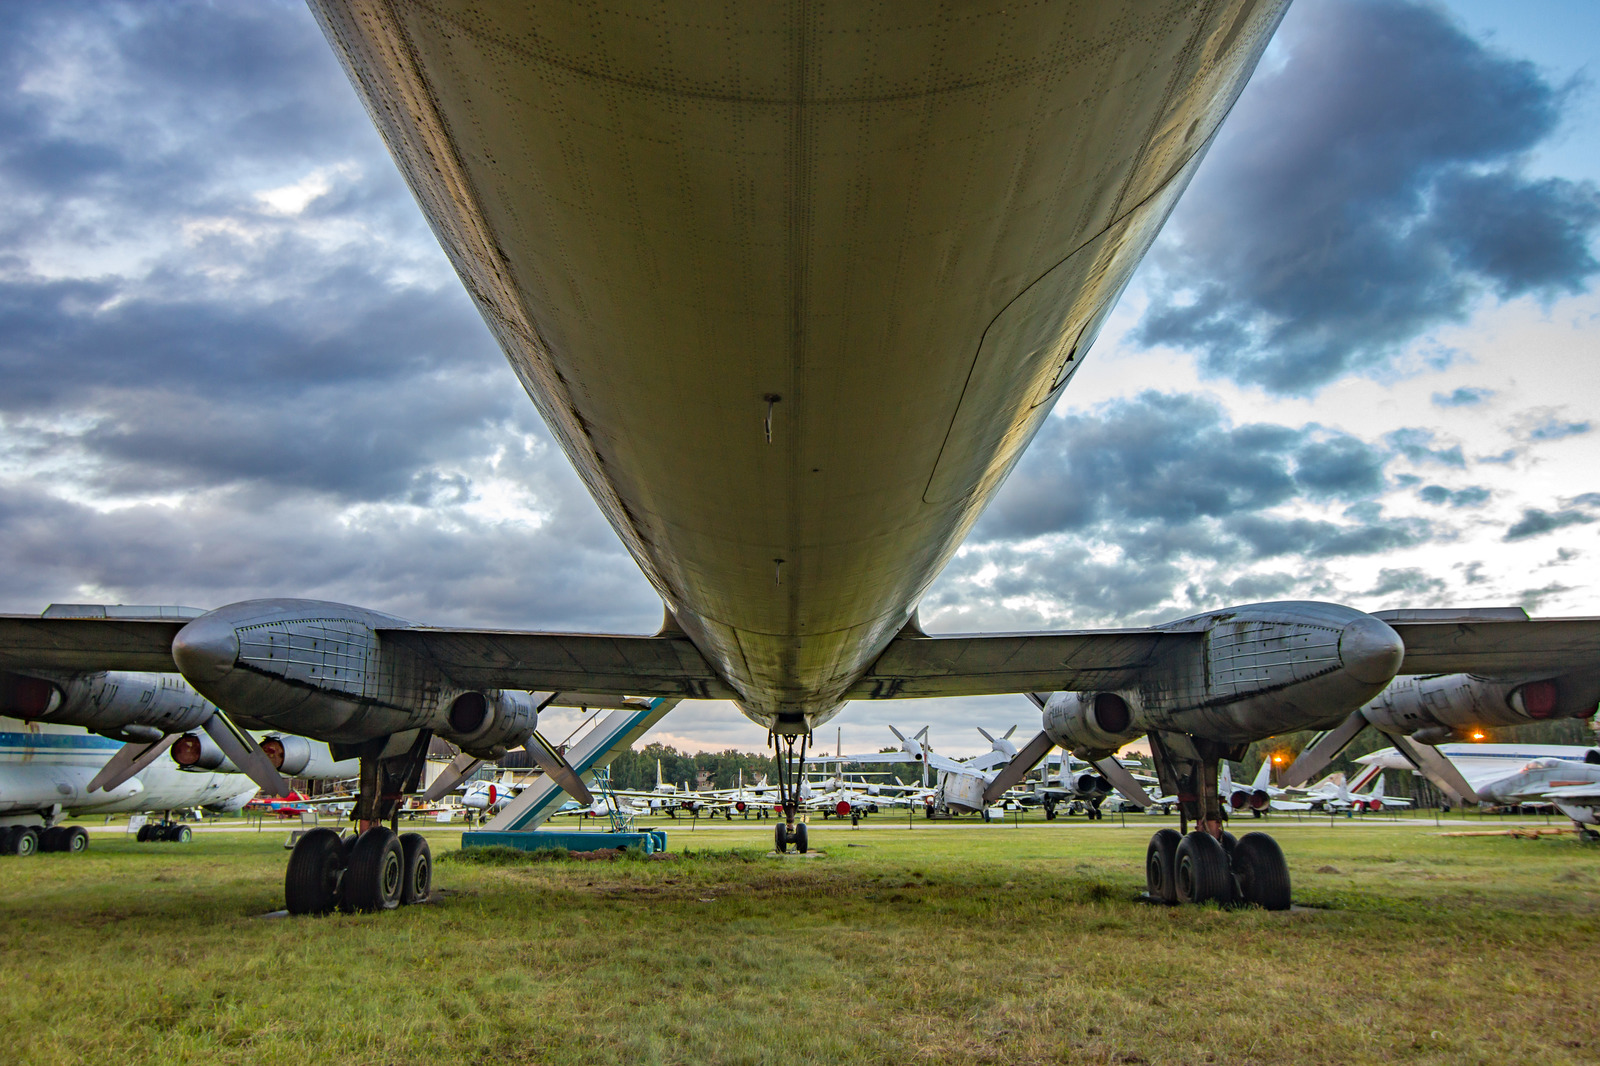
(950, 943)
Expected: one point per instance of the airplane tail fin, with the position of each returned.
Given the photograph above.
(1261, 775)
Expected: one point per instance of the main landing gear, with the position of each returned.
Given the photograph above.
(1208, 864)
(30, 839)
(376, 868)
(790, 751)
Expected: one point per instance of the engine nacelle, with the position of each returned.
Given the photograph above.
(310, 759)
(322, 670)
(1268, 668)
(1445, 707)
(197, 751)
(1247, 799)
(1092, 725)
(488, 724)
(119, 704)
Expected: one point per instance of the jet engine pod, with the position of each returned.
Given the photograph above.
(488, 724)
(1092, 724)
(28, 698)
(197, 751)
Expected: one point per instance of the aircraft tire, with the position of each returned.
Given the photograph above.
(417, 864)
(183, 834)
(780, 838)
(27, 841)
(1203, 874)
(800, 843)
(1262, 872)
(8, 839)
(377, 870)
(311, 885)
(52, 838)
(1161, 865)
(143, 835)
(77, 840)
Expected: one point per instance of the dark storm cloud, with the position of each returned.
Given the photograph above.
(1168, 474)
(1168, 508)
(1536, 521)
(283, 394)
(1366, 191)
(1409, 580)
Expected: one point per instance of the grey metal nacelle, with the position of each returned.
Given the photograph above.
(311, 668)
(198, 752)
(1444, 707)
(298, 757)
(1091, 725)
(1268, 668)
(119, 704)
(489, 724)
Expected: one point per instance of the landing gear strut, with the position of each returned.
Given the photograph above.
(1208, 864)
(379, 868)
(789, 749)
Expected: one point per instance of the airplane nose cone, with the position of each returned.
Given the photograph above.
(1370, 651)
(205, 650)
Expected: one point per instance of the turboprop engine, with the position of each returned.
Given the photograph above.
(118, 704)
(1445, 707)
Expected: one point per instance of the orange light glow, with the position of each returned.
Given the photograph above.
(1277, 760)
(1478, 735)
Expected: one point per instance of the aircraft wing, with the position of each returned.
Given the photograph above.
(74, 645)
(921, 666)
(988, 664)
(1496, 647)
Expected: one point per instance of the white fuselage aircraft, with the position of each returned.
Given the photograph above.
(793, 287)
(45, 772)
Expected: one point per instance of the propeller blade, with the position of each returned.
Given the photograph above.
(558, 769)
(1320, 755)
(1123, 781)
(901, 737)
(1013, 729)
(461, 767)
(1018, 768)
(1039, 699)
(1436, 767)
(987, 735)
(243, 751)
(128, 761)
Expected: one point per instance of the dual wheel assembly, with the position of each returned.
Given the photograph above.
(783, 835)
(172, 834)
(376, 871)
(27, 839)
(1199, 868)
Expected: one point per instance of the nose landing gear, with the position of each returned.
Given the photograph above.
(790, 751)
(1208, 864)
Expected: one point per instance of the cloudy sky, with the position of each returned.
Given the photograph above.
(1360, 364)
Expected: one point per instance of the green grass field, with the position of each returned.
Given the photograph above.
(944, 944)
